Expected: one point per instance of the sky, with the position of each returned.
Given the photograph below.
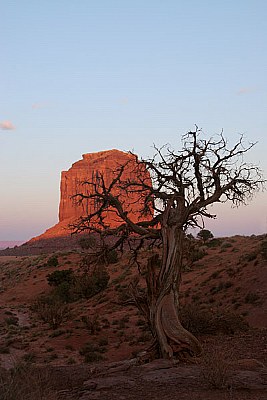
(83, 76)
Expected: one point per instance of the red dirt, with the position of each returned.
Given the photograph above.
(229, 278)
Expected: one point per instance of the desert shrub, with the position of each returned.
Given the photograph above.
(215, 370)
(91, 353)
(203, 321)
(12, 320)
(52, 261)
(196, 320)
(263, 249)
(51, 310)
(57, 333)
(205, 235)
(87, 242)
(69, 286)
(192, 252)
(62, 281)
(89, 284)
(214, 243)
(215, 274)
(56, 278)
(197, 254)
(29, 357)
(64, 292)
(252, 298)
(226, 245)
(250, 256)
(109, 257)
(103, 342)
(4, 349)
(92, 323)
(26, 382)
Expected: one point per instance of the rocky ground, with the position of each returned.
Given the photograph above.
(222, 291)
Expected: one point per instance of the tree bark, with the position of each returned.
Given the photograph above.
(171, 336)
(171, 339)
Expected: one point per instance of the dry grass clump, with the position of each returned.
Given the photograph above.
(215, 370)
(51, 310)
(26, 382)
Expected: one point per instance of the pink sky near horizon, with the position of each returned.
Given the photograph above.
(244, 220)
(87, 76)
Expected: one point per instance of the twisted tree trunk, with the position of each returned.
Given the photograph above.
(161, 306)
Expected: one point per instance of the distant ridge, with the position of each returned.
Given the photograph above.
(4, 244)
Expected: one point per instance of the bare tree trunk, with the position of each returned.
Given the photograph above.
(170, 334)
(162, 302)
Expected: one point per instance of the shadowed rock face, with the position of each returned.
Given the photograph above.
(91, 168)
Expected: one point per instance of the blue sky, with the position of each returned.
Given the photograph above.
(84, 76)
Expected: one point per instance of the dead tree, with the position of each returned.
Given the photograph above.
(182, 187)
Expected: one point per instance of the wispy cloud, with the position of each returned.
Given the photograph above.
(124, 100)
(38, 106)
(6, 126)
(247, 90)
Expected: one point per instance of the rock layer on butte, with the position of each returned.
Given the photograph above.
(92, 168)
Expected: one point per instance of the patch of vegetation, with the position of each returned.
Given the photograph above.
(52, 261)
(51, 310)
(87, 242)
(12, 320)
(205, 235)
(215, 370)
(4, 349)
(252, 298)
(29, 357)
(91, 353)
(69, 286)
(56, 278)
(57, 333)
(213, 243)
(202, 321)
(25, 382)
(92, 323)
(263, 249)
(215, 274)
(109, 257)
(226, 245)
(250, 256)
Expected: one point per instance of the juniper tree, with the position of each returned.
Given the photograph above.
(178, 195)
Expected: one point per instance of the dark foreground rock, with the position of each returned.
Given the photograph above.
(160, 379)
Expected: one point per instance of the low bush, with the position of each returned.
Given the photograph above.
(87, 242)
(214, 243)
(26, 382)
(263, 249)
(51, 310)
(205, 235)
(91, 353)
(52, 261)
(56, 278)
(109, 257)
(252, 298)
(215, 370)
(89, 284)
(69, 286)
(203, 321)
(92, 323)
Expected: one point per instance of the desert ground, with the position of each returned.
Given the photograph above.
(93, 346)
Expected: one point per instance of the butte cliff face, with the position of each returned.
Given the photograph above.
(92, 168)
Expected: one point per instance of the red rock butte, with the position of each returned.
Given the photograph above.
(91, 168)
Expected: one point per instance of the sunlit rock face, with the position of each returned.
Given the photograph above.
(93, 168)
